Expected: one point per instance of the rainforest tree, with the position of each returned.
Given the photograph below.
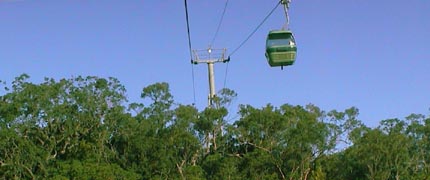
(85, 128)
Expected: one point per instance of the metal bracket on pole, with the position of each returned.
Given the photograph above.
(210, 57)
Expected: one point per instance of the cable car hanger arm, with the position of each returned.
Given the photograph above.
(286, 4)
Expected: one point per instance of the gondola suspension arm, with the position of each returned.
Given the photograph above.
(286, 4)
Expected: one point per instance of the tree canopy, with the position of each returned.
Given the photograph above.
(85, 128)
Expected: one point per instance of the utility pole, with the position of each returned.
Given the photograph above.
(210, 57)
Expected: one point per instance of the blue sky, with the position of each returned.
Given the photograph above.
(374, 55)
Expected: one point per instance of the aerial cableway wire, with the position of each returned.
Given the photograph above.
(225, 75)
(249, 36)
(219, 24)
(255, 30)
(189, 47)
(215, 36)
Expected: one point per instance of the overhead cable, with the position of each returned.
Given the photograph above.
(219, 24)
(255, 30)
(190, 49)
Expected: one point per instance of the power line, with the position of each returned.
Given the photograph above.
(255, 30)
(219, 24)
(189, 46)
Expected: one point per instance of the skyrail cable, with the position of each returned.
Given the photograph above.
(255, 30)
(189, 47)
(250, 35)
(215, 36)
(219, 24)
(225, 75)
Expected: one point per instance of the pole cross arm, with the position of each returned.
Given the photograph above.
(209, 56)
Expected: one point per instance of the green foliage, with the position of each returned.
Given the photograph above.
(80, 128)
(89, 170)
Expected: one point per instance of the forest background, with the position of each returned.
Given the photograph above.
(85, 128)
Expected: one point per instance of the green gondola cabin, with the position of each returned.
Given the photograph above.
(281, 48)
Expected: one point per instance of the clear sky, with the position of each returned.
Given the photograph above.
(374, 55)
